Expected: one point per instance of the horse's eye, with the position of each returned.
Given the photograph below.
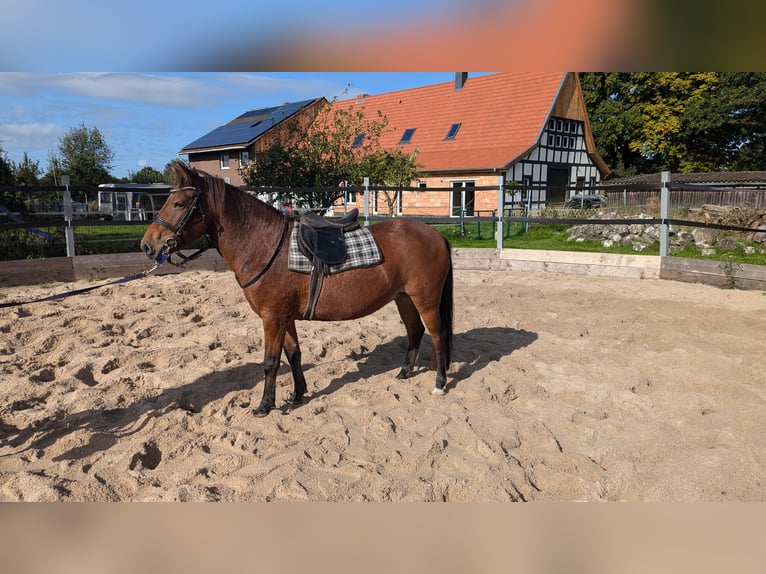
(179, 204)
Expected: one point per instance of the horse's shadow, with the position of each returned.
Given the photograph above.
(473, 349)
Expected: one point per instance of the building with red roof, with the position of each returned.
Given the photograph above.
(527, 131)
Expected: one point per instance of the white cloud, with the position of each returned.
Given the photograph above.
(142, 163)
(152, 89)
(17, 137)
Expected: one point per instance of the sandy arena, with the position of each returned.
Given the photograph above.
(562, 388)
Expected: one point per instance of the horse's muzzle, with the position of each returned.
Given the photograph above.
(169, 246)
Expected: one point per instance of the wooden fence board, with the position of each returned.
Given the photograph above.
(602, 264)
(716, 273)
(34, 271)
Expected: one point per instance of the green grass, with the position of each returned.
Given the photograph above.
(554, 238)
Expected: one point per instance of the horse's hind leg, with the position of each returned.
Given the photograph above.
(440, 357)
(415, 330)
(293, 354)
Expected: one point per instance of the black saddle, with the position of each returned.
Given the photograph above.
(321, 239)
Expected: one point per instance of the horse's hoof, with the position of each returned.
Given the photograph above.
(296, 400)
(438, 392)
(261, 411)
(404, 374)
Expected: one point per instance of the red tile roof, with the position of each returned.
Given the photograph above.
(501, 117)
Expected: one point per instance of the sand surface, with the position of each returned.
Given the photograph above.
(562, 388)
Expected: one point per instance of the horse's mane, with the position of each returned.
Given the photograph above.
(227, 194)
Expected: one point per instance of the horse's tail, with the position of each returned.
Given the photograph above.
(446, 308)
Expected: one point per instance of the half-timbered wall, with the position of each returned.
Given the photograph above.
(562, 147)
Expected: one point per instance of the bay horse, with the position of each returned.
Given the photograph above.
(416, 273)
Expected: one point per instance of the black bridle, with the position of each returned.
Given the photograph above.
(176, 230)
(172, 242)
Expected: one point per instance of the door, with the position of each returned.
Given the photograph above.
(463, 196)
(558, 178)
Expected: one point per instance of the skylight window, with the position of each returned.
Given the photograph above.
(357, 141)
(452, 132)
(407, 135)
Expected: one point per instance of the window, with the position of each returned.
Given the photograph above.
(422, 185)
(225, 160)
(244, 158)
(452, 132)
(357, 141)
(407, 135)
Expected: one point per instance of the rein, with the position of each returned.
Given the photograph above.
(271, 261)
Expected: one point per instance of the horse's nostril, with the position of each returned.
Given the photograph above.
(147, 249)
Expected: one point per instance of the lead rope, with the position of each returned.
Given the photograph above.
(160, 261)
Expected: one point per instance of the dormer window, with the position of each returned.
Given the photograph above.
(452, 132)
(407, 135)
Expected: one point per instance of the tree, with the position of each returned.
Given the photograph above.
(391, 168)
(52, 175)
(8, 199)
(612, 120)
(6, 169)
(680, 121)
(27, 172)
(316, 157)
(85, 156)
(728, 129)
(146, 175)
(662, 99)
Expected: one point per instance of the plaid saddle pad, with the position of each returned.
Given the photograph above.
(361, 251)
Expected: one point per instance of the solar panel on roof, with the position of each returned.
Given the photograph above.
(241, 131)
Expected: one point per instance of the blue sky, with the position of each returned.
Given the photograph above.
(146, 118)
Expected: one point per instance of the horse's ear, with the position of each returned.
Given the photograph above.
(181, 172)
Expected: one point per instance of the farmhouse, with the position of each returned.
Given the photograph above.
(528, 131)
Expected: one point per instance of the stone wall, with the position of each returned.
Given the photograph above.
(640, 236)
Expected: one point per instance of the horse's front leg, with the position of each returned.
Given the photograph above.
(293, 354)
(274, 337)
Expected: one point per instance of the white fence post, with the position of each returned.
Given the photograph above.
(366, 201)
(500, 205)
(68, 230)
(664, 214)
